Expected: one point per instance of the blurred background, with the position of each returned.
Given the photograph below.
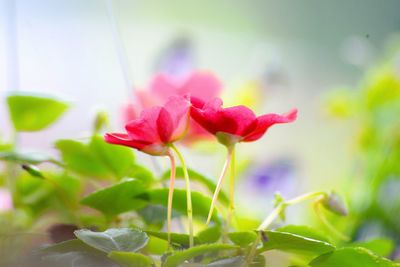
(270, 55)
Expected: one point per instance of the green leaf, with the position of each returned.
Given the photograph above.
(117, 198)
(97, 158)
(293, 243)
(195, 176)
(79, 158)
(210, 234)
(156, 246)
(176, 238)
(130, 259)
(113, 239)
(73, 253)
(380, 246)
(68, 246)
(141, 173)
(351, 257)
(33, 112)
(154, 214)
(25, 157)
(304, 231)
(237, 261)
(243, 239)
(117, 159)
(179, 257)
(201, 203)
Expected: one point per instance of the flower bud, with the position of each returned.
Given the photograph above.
(334, 203)
(100, 121)
(33, 170)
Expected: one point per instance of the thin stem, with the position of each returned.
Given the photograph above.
(275, 213)
(304, 197)
(271, 217)
(252, 252)
(331, 228)
(188, 195)
(170, 195)
(219, 183)
(231, 190)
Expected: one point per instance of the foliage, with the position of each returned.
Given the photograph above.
(119, 207)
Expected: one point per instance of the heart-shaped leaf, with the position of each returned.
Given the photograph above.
(210, 234)
(30, 112)
(114, 239)
(380, 246)
(351, 257)
(117, 198)
(118, 159)
(78, 157)
(243, 239)
(293, 243)
(304, 231)
(130, 259)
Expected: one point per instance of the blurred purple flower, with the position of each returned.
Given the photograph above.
(277, 176)
(177, 60)
(6, 203)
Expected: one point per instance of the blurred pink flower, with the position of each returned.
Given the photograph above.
(6, 203)
(200, 84)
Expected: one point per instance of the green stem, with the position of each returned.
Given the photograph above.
(304, 197)
(188, 195)
(231, 190)
(219, 183)
(322, 218)
(170, 195)
(273, 215)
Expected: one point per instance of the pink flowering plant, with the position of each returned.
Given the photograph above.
(94, 204)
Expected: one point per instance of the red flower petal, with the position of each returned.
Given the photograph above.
(145, 127)
(234, 120)
(178, 108)
(124, 139)
(165, 125)
(266, 121)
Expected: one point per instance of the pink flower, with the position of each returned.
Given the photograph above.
(156, 128)
(235, 124)
(200, 84)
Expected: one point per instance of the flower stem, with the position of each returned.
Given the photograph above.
(231, 190)
(170, 195)
(322, 218)
(188, 195)
(273, 215)
(219, 183)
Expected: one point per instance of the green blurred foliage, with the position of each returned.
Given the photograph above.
(94, 186)
(34, 112)
(372, 111)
